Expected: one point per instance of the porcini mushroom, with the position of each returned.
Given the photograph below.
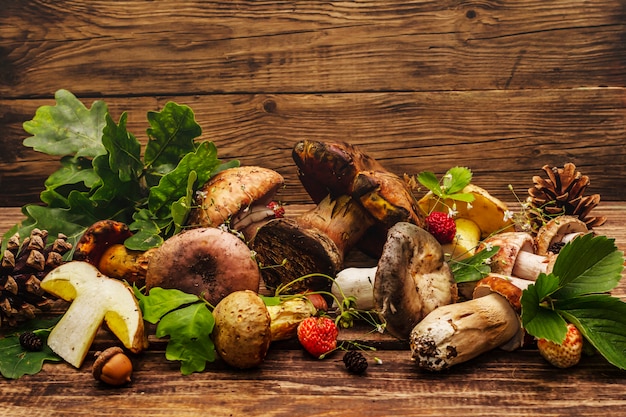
(207, 261)
(354, 197)
(239, 196)
(412, 279)
(459, 332)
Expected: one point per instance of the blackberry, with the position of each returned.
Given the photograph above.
(355, 362)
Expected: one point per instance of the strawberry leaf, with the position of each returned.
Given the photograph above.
(590, 264)
(601, 319)
(575, 291)
(456, 179)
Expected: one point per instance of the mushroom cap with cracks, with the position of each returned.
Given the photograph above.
(232, 195)
(412, 279)
(208, 262)
(558, 230)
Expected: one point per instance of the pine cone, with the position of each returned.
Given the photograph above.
(562, 193)
(355, 361)
(22, 268)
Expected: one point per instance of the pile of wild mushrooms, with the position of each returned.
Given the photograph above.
(236, 242)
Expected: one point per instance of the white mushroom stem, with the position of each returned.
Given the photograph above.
(357, 282)
(529, 265)
(456, 333)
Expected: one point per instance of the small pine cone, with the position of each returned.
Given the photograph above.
(355, 362)
(562, 193)
(31, 342)
(24, 264)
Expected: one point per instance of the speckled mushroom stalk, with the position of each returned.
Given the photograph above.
(357, 202)
(456, 333)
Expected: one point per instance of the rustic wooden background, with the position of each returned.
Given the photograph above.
(502, 87)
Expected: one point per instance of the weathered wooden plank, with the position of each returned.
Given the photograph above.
(191, 47)
(503, 136)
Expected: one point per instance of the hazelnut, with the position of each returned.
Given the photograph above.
(112, 367)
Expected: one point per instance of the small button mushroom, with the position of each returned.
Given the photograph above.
(242, 333)
(412, 279)
(208, 262)
(239, 196)
(456, 333)
(357, 201)
(560, 230)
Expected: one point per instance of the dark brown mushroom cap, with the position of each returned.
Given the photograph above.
(98, 238)
(412, 279)
(230, 191)
(330, 167)
(208, 262)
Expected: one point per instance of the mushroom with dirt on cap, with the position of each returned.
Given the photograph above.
(241, 196)
(412, 279)
(456, 333)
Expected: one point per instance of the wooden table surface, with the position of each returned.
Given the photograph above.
(292, 383)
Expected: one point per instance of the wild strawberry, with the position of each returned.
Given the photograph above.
(566, 354)
(441, 226)
(279, 210)
(318, 335)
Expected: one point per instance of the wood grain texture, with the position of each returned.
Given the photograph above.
(502, 87)
(505, 137)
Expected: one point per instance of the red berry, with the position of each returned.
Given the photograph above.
(566, 354)
(441, 226)
(279, 210)
(318, 335)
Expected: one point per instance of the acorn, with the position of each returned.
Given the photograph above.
(112, 367)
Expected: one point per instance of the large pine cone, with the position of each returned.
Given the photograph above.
(22, 268)
(562, 193)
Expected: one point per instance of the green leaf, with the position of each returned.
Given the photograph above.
(124, 149)
(456, 179)
(473, 268)
(68, 128)
(171, 136)
(15, 361)
(73, 171)
(429, 180)
(173, 185)
(189, 329)
(466, 197)
(161, 301)
(589, 264)
(193, 354)
(601, 319)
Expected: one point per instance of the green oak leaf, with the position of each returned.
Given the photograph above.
(171, 136)
(68, 128)
(123, 148)
(189, 329)
(173, 185)
(15, 361)
(74, 170)
(160, 301)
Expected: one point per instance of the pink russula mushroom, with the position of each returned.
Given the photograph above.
(208, 262)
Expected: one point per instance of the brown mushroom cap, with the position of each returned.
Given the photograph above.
(231, 191)
(555, 231)
(207, 262)
(98, 238)
(500, 285)
(412, 279)
(511, 244)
